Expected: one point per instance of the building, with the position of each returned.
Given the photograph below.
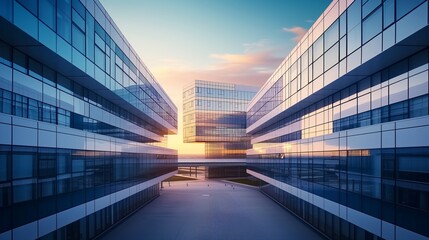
(82, 122)
(215, 113)
(340, 130)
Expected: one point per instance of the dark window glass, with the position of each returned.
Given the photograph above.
(419, 106)
(19, 61)
(5, 101)
(30, 5)
(413, 164)
(399, 111)
(5, 54)
(404, 7)
(34, 109)
(369, 6)
(47, 12)
(24, 164)
(389, 12)
(78, 20)
(35, 69)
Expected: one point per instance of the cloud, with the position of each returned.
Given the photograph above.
(309, 21)
(298, 31)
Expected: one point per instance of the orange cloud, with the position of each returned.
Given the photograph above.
(298, 31)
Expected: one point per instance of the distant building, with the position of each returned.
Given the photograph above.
(82, 122)
(340, 131)
(215, 113)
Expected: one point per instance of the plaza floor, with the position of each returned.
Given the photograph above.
(211, 210)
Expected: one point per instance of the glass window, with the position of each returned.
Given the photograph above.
(398, 91)
(19, 61)
(353, 15)
(343, 24)
(47, 12)
(6, 9)
(23, 165)
(35, 69)
(30, 5)
(369, 6)
(354, 39)
(331, 35)
(78, 20)
(64, 19)
(5, 166)
(418, 84)
(318, 48)
(419, 106)
(34, 109)
(389, 12)
(78, 39)
(398, 111)
(404, 7)
(5, 54)
(100, 58)
(318, 67)
(331, 57)
(372, 25)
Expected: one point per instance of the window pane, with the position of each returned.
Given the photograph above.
(372, 25)
(47, 10)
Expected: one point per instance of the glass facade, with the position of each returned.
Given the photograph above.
(83, 122)
(215, 113)
(339, 131)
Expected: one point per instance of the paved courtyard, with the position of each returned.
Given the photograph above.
(211, 210)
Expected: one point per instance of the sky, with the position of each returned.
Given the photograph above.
(236, 41)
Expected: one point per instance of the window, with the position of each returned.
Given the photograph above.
(47, 12)
(372, 25)
(78, 39)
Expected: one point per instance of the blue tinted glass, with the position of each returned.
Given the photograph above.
(5, 54)
(404, 7)
(6, 9)
(25, 20)
(78, 20)
(47, 10)
(30, 5)
(389, 12)
(353, 15)
(78, 39)
(372, 25)
(369, 6)
(64, 19)
(99, 58)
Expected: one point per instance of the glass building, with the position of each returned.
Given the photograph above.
(340, 130)
(215, 113)
(82, 122)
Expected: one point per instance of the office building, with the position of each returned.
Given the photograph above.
(214, 113)
(82, 122)
(340, 130)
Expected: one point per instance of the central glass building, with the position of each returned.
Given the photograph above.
(340, 130)
(214, 113)
(82, 122)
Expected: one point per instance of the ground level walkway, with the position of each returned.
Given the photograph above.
(211, 210)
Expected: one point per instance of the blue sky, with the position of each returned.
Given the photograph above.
(238, 41)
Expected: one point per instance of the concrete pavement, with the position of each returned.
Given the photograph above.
(211, 210)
